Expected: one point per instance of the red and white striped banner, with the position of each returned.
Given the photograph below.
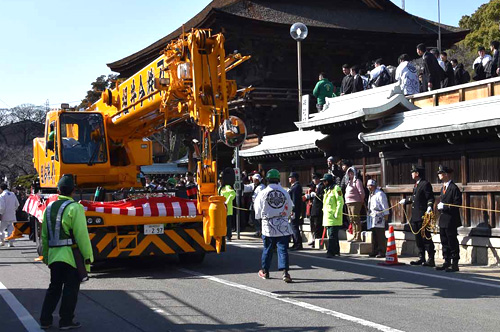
(36, 207)
(146, 207)
(142, 207)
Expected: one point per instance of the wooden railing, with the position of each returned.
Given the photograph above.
(457, 93)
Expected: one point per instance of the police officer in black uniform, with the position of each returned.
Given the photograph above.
(422, 201)
(317, 209)
(295, 193)
(449, 220)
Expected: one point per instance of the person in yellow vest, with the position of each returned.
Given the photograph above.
(226, 189)
(333, 205)
(66, 247)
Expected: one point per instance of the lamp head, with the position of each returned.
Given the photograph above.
(298, 31)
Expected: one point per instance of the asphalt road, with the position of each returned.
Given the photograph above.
(349, 293)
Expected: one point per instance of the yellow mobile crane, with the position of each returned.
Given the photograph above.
(104, 146)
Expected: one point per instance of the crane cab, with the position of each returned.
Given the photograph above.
(76, 143)
(72, 142)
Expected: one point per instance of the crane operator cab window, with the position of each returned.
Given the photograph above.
(51, 137)
(82, 138)
(51, 142)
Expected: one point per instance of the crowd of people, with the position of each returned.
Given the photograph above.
(184, 186)
(337, 200)
(435, 71)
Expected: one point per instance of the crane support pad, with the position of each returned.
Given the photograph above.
(177, 240)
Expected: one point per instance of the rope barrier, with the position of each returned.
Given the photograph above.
(376, 212)
(472, 208)
(428, 224)
(427, 220)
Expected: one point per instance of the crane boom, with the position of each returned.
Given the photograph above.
(187, 80)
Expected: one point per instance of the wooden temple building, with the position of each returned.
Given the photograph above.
(341, 31)
(380, 130)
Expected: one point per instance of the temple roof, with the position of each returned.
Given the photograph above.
(361, 106)
(468, 117)
(285, 142)
(380, 16)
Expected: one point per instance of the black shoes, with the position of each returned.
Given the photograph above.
(430, 263)
(453, 268)
(70, 326)
(443, 267)
(420, 261)
(294, 248)
(45, 326)
(286, 277)
(449, 266)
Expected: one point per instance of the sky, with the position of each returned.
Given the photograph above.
(54, 49)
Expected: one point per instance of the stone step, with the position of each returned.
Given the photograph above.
(360, 248)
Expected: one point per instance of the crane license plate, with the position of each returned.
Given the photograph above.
(154, 229)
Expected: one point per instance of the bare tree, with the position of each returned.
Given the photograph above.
(18, 126)
(16, 161)
(28, 112)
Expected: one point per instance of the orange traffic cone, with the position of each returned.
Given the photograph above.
(391, 255)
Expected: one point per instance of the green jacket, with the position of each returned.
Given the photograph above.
(323, 89)
(73, 219)
(229, 193)
(333, 204)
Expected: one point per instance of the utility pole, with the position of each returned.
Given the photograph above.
(403, 4)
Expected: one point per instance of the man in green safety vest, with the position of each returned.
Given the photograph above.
(66, 247)
(226, 189)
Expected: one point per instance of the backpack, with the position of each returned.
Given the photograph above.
(465, 76)
(383, 79)
(479, 72)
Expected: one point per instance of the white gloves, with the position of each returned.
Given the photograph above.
(313, 194)
(440, 206)
(429, 209)
(402, 201)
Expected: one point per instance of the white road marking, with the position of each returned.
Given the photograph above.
(294, 302)
(388, 268)
(24, 316)
(395, 269)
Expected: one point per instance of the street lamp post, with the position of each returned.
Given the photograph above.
(299, 31)
(439, 26)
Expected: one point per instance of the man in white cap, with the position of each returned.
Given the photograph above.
(378, 214)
